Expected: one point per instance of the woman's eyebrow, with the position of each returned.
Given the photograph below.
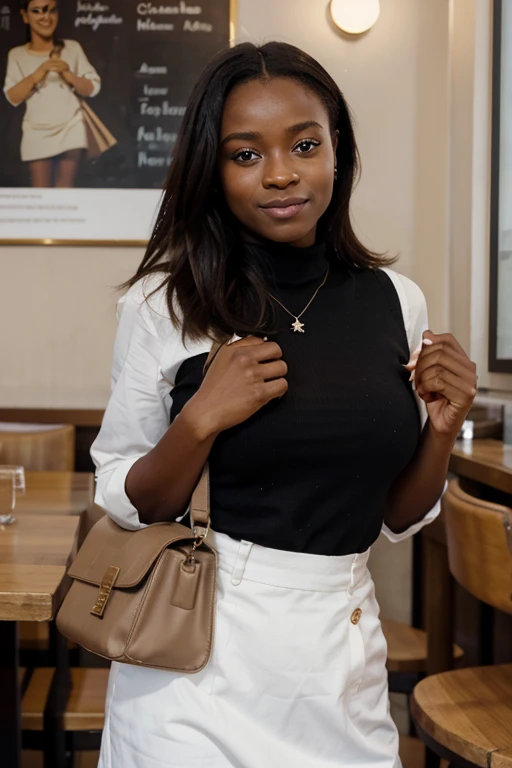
(242, 136)
(298, 127)
(253, 136)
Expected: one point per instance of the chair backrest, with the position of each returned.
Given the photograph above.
(48, 448)
(479, 535)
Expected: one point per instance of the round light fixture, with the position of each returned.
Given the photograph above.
(355, 16)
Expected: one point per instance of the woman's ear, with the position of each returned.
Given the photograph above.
(335, 143)
(24, 16)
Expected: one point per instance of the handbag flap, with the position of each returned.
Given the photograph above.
(133, 552)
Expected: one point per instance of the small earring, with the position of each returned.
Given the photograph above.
(335, 173)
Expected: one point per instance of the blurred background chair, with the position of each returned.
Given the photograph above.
(408, 653)
(38, 447)
(465, 715)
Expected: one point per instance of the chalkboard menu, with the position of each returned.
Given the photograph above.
(148, 57)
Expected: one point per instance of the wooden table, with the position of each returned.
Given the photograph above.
(34, 554)
(484, 461)
(57, 493)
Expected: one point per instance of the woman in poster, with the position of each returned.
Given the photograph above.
(50, 76)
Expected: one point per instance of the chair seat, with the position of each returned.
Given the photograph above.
(85, 709)
(469, 713)
(407, 647)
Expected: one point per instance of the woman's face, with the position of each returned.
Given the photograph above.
(276, 159)
(42, 16)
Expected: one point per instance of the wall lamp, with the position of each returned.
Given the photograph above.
(355, 16)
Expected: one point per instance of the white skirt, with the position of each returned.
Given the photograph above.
(43, 142)
(297, 676)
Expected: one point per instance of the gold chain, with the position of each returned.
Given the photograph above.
(297, 326)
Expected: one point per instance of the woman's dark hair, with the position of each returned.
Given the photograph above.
(213, 287)
(58, 47)
(25, 4)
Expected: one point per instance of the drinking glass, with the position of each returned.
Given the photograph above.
(12, 481)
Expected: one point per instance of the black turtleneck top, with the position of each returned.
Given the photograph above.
(311, 471)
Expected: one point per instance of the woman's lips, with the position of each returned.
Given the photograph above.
(285, 211)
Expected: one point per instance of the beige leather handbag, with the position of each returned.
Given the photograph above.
(146, 597)
(99, 138)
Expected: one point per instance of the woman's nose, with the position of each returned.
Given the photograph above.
(279, 173)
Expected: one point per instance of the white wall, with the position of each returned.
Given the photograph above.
(57, 320)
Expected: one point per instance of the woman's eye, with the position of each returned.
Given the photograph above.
(245, 156)
(306, 146)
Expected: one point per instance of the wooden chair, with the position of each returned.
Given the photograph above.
(408, 649)
(37, 447)
(465, 715)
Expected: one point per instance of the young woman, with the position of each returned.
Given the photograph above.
(48, 75)
(307, 417)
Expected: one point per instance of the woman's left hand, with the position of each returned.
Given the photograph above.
(445, 378)
(58, 65)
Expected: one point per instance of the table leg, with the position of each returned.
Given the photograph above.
(55, 751)
(10, 696)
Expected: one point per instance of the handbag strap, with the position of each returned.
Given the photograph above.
(200, 505)
(200, 501)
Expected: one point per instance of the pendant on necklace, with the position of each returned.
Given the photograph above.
(297, 326)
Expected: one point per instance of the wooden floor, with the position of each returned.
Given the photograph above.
(411, 752)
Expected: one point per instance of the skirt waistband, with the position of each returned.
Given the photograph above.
(293, 570)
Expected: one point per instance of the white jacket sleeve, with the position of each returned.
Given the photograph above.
(13, 75)
(414, 312)
(137, 414)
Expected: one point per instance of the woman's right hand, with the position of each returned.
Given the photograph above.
(50, 65)
(243, 377)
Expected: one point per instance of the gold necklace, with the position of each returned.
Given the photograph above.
(297, 326)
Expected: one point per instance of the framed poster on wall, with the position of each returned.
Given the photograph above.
(87, 126)
(500, 296)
